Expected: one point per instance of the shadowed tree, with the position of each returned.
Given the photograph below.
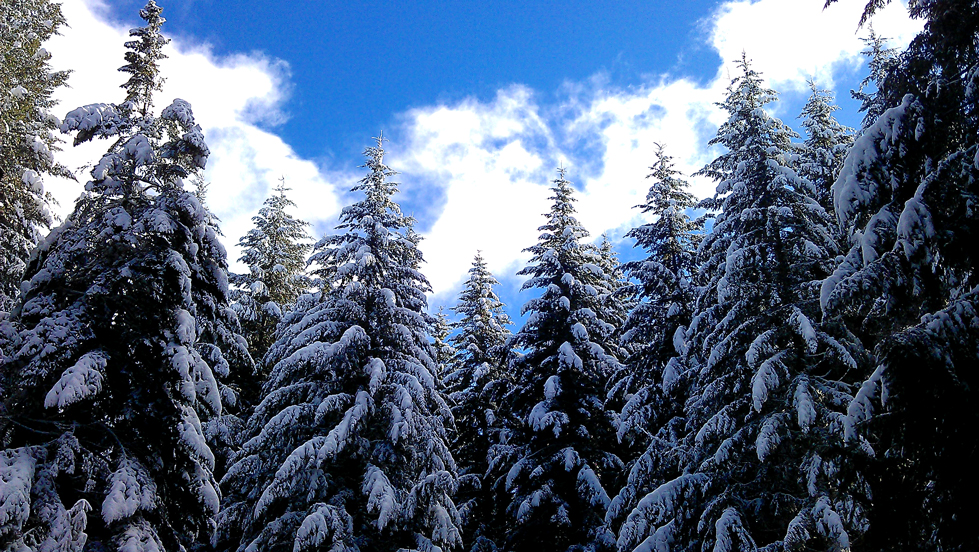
(562, 448)
(348, 448)
(121, 335)
(908, 286)
(763, 459)
(476, 384)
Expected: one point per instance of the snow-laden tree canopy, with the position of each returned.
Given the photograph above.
(274, 251)
(28, 134)
(119, 341)
(763, 460)
(906, 197)
(476, 383)
(348, 447)
(561, 453)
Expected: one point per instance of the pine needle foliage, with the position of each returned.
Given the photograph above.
(562, 451)
(908, 285)
(121, 338)
(275, 252)
(476, 384)
(348, 448)
(763, 460)
(28, 137)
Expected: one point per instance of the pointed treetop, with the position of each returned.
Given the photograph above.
(376, 180)
(281, 189)
(143, 57)
(881, 61)
(379, 147)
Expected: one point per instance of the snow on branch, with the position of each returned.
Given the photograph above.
(82, 380)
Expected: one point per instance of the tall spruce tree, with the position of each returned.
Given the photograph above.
(476, 384)
(645, 390)
(274, 251)
(908, 286)
(663, 291)
(564, 447)
(27, 134)
(348, 447)
(763, 462)
(122, 332)
(827, 141)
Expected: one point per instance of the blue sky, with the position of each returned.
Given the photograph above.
(354, 65)
(481, 101)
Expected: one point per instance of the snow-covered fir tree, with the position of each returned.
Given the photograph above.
(563, 449)
(908, 286)
(444, 352)
(274, 251)
(645, 390)
(476, 384)
(827, 141)
(616, 301)
(662, 289)
(348, 447)
(27, 134)
(882, 61)
(123, 328)
(763, 461)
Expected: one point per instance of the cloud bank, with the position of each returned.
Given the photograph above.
(496, 159)
(477, 173)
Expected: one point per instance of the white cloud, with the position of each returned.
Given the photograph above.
(232, 95)
(495, 184)
(491, 161)
(791, 41)
(496, 158)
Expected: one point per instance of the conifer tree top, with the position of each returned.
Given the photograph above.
(348, 444)
(482, 328)
(143, 59)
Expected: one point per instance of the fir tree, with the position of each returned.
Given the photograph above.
(27, 134)
(827, 141)
(444, 351)
(663, 293)
(274, 251)
(881, 62)
(616, 301)
(476, 386)
(123, 329)
(908, 285)
(348, 449)
(645, 391)
(564, 445)
(763, 461)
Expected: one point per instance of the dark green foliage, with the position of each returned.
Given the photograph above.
(907, 196)
(122, 334)
(476, 384)
(562, 450)
(28, 139)
(646, 391)
(347, 449)
(827, 142)
(274, 251)
(762, 459)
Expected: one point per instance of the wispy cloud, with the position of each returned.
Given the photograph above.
(791, 42)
